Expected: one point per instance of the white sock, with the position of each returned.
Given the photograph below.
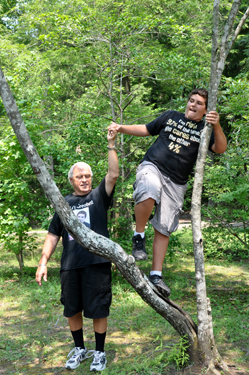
(159, 273)
(141, 234)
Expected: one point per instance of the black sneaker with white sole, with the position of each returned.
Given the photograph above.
(158, 282)
(138, 249)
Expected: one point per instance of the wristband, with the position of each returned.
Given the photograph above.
(42, 265)
(111, 148)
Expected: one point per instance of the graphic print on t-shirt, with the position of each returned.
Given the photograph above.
(181, 133)
(84, 216)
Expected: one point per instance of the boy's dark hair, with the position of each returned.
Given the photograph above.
(201, 92)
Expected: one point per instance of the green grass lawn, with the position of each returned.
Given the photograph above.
(35, 338)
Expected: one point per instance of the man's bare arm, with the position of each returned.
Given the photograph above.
(113, 167)
(49, 246)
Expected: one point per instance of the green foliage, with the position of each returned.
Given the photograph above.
(75, 66)
(220, 243)
(177, 355)
(19, 208)
(226, 182)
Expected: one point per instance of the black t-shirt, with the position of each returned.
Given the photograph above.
(91, 209)
(175, 150)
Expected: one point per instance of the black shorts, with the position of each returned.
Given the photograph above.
(87, 289)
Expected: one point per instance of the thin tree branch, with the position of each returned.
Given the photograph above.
(237, 31)
(215, 36)
(229, 24)
(226, 226)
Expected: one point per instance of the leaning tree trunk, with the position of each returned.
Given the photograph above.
(206, 344)
(96, 243)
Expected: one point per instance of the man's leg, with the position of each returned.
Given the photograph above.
(100, 325)
(78, 354)
(76, 327)
(99, 359)
(76, 322)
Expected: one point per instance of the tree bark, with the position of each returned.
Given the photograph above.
(19, 255)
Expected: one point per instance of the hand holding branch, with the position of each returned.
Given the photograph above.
(213, 118)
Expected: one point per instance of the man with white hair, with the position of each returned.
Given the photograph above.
(85, 277)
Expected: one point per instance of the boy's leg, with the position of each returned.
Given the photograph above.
(160, 245)
(147, 191)
(143, 211)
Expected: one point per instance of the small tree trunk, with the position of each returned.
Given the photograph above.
(19, 255)
(206, 343)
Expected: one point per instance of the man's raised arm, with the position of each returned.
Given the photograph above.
(113, 167)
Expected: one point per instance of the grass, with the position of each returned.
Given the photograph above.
(35, 338)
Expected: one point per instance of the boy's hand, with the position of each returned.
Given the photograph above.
(115, 126)
(213, 118)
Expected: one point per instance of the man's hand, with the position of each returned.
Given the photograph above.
(41, 273)
(48, 249)
(111, 135)
(213, 118)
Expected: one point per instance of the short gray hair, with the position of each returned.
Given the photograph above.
(80, 164)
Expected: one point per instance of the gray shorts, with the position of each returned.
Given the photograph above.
(150, 183)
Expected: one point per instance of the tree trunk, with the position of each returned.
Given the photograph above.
(206, 344)
(19, 255)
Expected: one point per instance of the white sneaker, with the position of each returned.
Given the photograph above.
(99, 361)
(77, 355)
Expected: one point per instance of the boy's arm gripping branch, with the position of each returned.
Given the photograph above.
(220, 141)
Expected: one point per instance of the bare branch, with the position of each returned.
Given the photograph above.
(229, 24)
(215, 35)
(111, 98)
(227, 226)
(237, 31)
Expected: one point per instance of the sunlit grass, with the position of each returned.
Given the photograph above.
(35, 337)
